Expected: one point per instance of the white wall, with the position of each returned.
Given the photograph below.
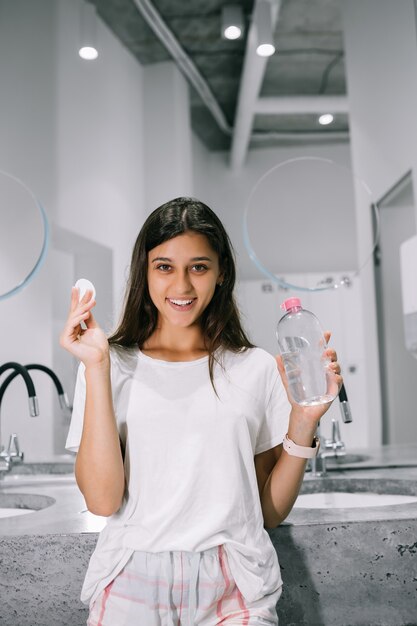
(399, 374)
(27, 150)
(227, 192)
(381, 62)
(100, 136)
(168, 167)
(74, 132)
(331, 248)
(381, 65)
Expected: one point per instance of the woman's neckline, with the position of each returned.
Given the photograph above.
(202, 359)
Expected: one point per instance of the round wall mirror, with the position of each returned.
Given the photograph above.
(300, 218)
(24, 235)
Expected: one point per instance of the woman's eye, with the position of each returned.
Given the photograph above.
(164, 268)
(200, 268)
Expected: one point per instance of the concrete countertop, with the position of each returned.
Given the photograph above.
(69, 512)
(340, 567)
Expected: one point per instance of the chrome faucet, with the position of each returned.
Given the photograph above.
(334, 446)
(317, 464)
(13, 454)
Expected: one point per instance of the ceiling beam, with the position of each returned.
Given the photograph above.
(301, 104)
(250, 85)
(183, 60)
(260, 138)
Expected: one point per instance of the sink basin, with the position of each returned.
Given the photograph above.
(14, 512)
(350, 493)
(14, 504)
(346, 500)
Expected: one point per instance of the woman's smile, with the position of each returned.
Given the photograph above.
(179, 304)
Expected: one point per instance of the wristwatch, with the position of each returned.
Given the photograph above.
(303, 452)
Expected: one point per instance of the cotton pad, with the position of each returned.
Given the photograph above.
(83, 285)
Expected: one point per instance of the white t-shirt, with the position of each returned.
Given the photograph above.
(189, 462)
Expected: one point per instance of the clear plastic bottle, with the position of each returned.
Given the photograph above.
(302, 345)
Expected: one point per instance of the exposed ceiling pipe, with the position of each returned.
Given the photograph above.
(301, 104)
(255, 66)
(250, 85)
(171, 43)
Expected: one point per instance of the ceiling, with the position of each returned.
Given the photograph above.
(309, 61)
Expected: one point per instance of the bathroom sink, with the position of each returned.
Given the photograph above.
(348, 493)
(14, 504)
(14, 512)
(346, 500)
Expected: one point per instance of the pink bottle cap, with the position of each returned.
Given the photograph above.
(291, 303)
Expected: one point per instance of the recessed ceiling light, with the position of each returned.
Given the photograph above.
(232, 22)
(232, 32)
(88, 29)
(325, 119)
(265, 49)
(263, 20)
(88, 53)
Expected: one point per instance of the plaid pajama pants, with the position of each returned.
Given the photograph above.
(179, 588)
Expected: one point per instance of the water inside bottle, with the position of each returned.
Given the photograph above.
(312, 388)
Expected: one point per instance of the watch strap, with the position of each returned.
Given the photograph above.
(304, 452)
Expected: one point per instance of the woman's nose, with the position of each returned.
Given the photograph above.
(183, 283)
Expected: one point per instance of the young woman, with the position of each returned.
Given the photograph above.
(179, 423)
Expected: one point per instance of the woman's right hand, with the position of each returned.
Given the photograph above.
(89, 345)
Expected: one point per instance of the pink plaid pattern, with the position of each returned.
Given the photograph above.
(141, 595)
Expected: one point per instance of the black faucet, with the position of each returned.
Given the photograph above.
(13, 454)
(62, 396)
(22, 370)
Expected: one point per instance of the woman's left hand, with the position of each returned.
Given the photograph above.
(309, 416)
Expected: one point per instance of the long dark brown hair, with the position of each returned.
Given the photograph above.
(220, 321)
